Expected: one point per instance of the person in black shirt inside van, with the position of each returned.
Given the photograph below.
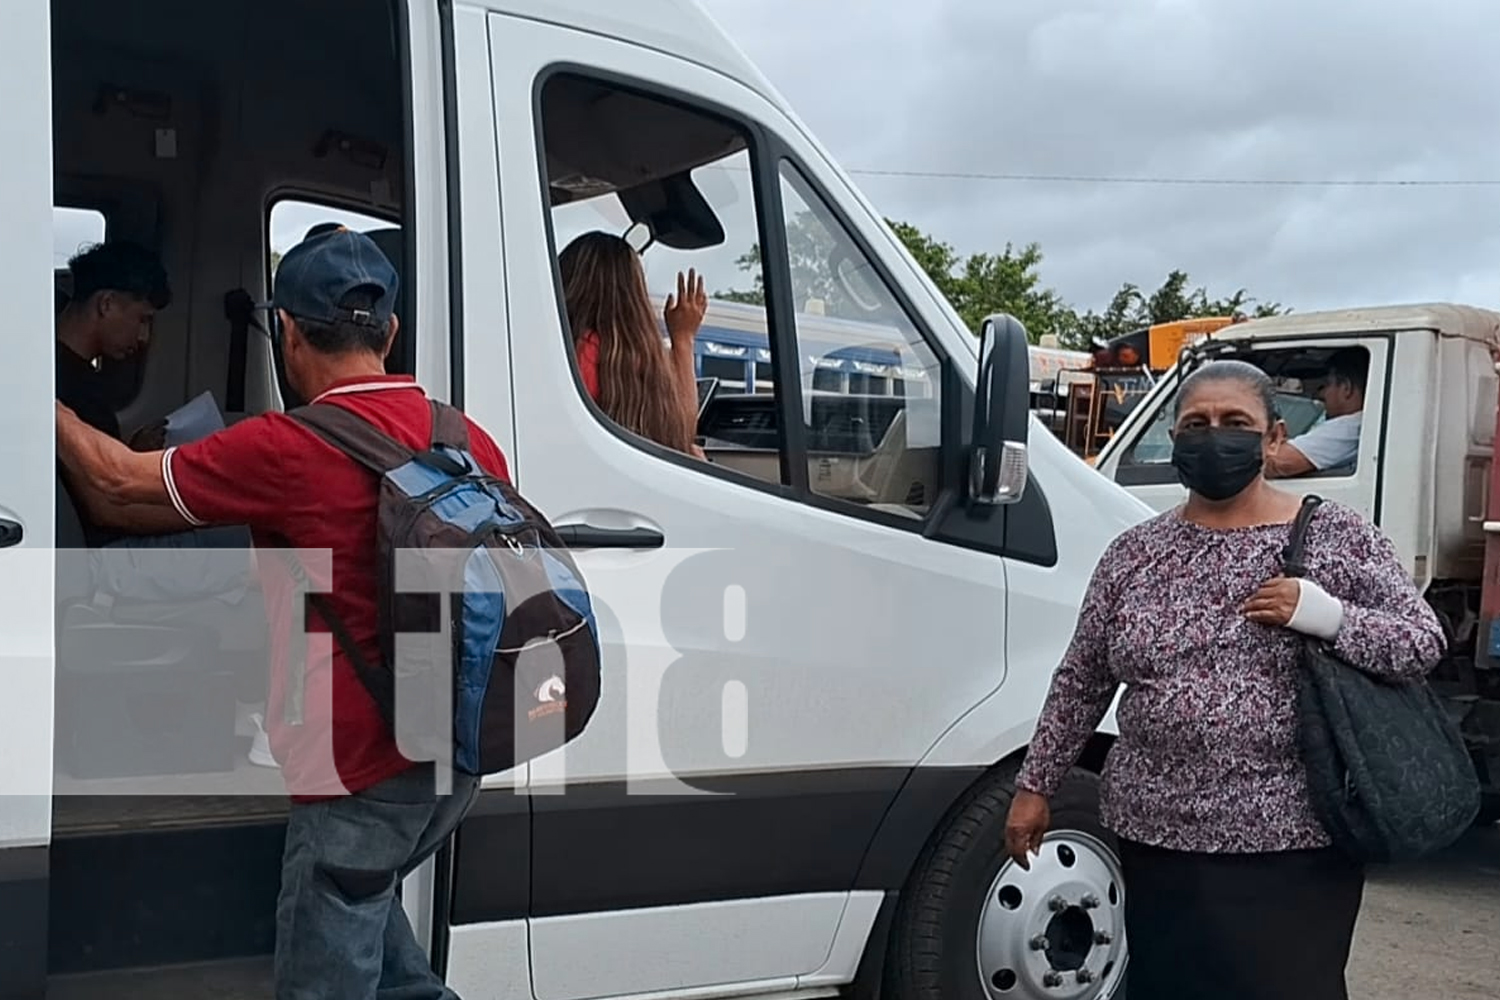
(118, 287)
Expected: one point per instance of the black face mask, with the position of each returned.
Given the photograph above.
(1217, 462)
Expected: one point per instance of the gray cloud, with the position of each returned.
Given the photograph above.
(1267, 89)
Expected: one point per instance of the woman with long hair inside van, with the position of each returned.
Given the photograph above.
(1233, 888)
(646, 389)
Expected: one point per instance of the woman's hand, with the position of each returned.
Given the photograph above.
(1274, 603)
(685, 310)
(1027, 823)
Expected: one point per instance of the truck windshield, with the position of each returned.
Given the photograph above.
(1155, 445)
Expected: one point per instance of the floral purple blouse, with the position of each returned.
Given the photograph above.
(1207, 756)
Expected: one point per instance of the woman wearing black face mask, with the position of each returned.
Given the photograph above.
(1232, 888)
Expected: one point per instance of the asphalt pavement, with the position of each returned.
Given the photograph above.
(1432, 929)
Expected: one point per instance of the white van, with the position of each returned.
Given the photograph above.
(823, 664)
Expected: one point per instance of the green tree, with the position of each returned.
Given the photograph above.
(938, 259)
(1130, 309)
(1008, 282)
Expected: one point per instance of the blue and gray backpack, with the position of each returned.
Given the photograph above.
(516, 671)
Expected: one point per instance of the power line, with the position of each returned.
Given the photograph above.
(1210, 181)
(957, 175)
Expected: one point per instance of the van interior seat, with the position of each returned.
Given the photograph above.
(73, 581)
(875, 471)
(121, 650)
(900, 473)
(77, 582)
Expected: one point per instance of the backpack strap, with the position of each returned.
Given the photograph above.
(1293, 561)
(449, 428)
(368, 445)
(295, 703)
(354, 436)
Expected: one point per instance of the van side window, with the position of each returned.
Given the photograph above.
(291, 218)
(677, 184)
(871, 386)
(73, 229)
(860, 425)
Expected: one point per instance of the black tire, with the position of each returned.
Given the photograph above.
(933, 952)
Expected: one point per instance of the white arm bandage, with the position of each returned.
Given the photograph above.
(1318, 613)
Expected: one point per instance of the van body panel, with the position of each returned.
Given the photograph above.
(28, 456)
(431, 148)
(844, 677)
(490, 961)
(28, 448)
(701, 944)
(484, 376)
(856, 927)
(719, 530)
(681, 28)
(1042, 605)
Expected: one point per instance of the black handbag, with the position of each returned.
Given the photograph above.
(1390, 777)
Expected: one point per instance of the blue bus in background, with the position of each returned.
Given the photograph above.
(837, 356)
(869, 398)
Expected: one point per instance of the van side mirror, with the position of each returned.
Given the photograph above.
(1002, 419)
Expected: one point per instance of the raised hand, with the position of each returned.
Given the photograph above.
(685, 310)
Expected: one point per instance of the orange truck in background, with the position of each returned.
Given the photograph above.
(1095, 401)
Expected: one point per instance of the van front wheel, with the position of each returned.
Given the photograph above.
(972, 925)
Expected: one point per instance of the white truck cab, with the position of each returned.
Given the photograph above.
(1424, 469)
(825, 647)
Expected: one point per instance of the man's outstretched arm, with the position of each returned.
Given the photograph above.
(1287, 462)
(119, 488)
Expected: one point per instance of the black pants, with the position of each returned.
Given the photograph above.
(1239, 927)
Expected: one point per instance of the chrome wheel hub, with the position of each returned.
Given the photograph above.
(1057, 930)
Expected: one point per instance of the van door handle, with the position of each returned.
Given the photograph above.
(10, 533)
(585, 536)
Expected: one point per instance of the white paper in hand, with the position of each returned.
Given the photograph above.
(195, 419)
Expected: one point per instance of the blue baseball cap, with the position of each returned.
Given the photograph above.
(330, 263)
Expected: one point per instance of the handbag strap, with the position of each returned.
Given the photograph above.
(1293, 562)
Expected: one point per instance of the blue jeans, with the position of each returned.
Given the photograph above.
(341, 931)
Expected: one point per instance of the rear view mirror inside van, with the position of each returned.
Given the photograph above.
(998, 461)
(678, 214)
(639, 237)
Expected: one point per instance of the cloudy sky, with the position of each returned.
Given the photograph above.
(1331, 90)
(1180, 90)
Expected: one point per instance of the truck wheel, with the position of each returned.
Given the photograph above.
(972, 925)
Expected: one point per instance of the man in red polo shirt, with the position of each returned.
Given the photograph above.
(362, 815)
